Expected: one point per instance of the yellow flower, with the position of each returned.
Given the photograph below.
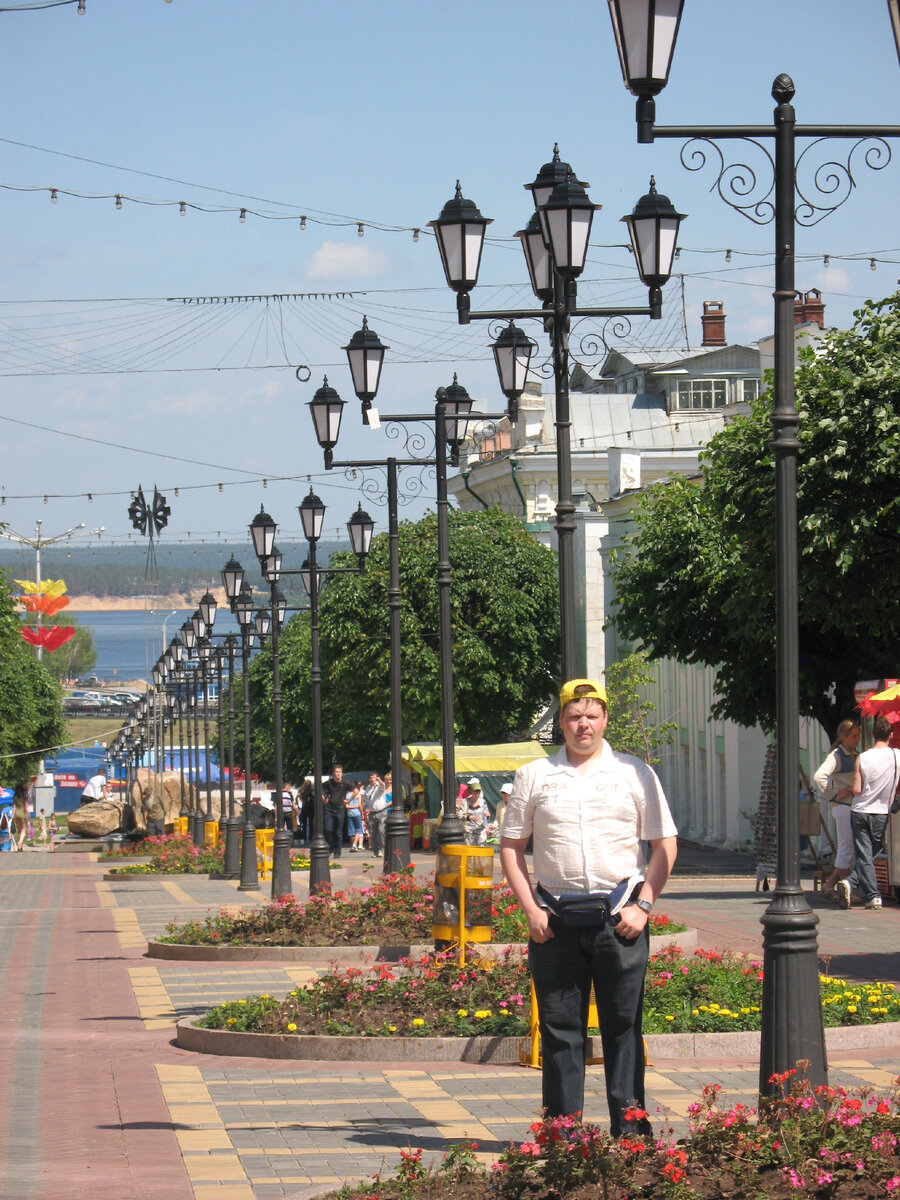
(481, 1013)
(668, 1018)
(392, 1028)
(695, 1012)
(292, 1027)
(851, 1008)
(232, 1020)
(418, 1021)
(462, 1012)
(242, 1001)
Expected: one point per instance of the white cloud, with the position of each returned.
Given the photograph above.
(345, 260)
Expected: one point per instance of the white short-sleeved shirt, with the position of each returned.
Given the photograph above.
(588, 828)
(94, 787)
(880, 770)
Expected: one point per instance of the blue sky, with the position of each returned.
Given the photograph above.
(348, 113)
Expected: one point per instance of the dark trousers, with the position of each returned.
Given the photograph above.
(563, 970)
(868, 842)
(333, 829)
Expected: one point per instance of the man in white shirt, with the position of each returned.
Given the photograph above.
(588, 809)
(874, 784)
(96, 788)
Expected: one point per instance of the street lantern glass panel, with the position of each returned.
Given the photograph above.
(645, 31)
(243, 607)
(280, 607)
(457, 406)
(512, 355)
(312, 516)
(365, 353)
(306, 576)
(198, 624)
(207, 608)
(204, 649)
(459, 232)
(177, 648)
(262, 622)
(272, 566)
(653, 227)
(188, 637)
(541, 188)
(262, 530)
(360, 527)
(326, 408)
(157, 677)
(232, 578)
(537, 258)
(568, 215)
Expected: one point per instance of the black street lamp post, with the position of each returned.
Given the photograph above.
(243, 611)
(359, 527)
(232, 825)
(452, 409)
(645, 33)
(555, 244)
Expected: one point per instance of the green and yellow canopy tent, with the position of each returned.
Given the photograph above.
(492, 765)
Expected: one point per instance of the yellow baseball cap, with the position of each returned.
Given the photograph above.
(581, 689)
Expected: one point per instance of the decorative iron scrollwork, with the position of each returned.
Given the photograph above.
(744, 189)
(832, 178)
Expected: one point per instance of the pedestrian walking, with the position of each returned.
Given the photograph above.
(589, 809)
(354, 803)
(376, 805)
(334, 793)
(20, 815)
(874, 788)
(834, 780)
(476, 815)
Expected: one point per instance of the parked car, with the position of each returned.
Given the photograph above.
(89, 681)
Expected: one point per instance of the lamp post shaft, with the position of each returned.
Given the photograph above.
(792, 1027)
(565, 509)
(180, 695)
(452, 831)
(396, 844)
(198, 806)
(319, 850)
(281, 841)
(249, 872)
(220, 718)
(207, 816)
(232, 827)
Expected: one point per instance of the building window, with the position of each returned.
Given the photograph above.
(750, 390)
(701, 393)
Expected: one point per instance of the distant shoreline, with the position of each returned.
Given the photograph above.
(87, 603)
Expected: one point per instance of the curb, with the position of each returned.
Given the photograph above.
(493, 1050)
(179, 952)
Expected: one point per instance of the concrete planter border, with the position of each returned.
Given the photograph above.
(494, 1050)
(176, 952)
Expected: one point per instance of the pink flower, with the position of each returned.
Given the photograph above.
(531, 1148)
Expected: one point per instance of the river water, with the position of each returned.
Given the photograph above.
(129, 643)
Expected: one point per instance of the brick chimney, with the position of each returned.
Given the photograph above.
(809, 307)
(713, 323)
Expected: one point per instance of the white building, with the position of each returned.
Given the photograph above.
(643, 416)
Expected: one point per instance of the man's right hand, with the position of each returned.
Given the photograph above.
(539, 925)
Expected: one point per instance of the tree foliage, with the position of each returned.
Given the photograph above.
(630, 728)
(505, 623)
(698, 580)
(30, 700)
(76, 657)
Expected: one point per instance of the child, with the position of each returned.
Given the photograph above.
(52, 830)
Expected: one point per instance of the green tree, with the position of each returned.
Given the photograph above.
(630, 728)
(76, 657)
(30, 709)
(505, 621)
(697, 582)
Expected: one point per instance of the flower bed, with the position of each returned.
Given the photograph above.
(176, 854)
(392, 910)
(432, 996)
(823, 1142)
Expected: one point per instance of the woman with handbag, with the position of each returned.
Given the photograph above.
(834, 780)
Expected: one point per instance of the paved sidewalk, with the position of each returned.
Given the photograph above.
(96, 1101)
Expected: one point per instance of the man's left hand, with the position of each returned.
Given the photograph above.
(632, 921)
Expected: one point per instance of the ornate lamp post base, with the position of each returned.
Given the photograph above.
(249, 873)
(232, 848)
(319, 860)
(396, 840)
(281, 864)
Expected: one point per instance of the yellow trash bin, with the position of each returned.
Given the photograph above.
(265, 840)
(463, 895)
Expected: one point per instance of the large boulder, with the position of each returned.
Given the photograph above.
(100, 818)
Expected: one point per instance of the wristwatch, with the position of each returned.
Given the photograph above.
(644, 905)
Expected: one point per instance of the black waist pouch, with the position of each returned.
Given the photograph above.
(584, 911)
